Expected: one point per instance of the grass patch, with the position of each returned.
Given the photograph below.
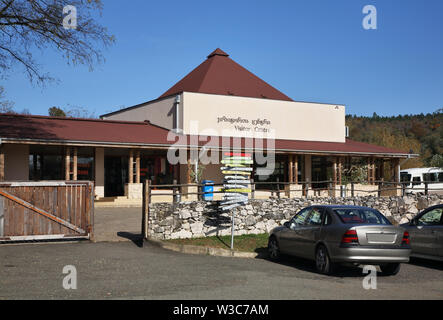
(246, 243)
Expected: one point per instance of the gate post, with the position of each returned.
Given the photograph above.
(145, 208)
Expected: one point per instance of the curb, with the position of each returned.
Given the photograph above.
(189, 249)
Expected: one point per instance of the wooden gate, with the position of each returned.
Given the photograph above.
(46, 210)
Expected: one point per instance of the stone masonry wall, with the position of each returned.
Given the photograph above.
(200, 219)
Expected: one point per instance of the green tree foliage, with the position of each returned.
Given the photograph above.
(437, 161)
(56, 112)
(420, 134)
(71, 112)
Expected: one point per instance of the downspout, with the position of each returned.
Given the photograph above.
(177, 113)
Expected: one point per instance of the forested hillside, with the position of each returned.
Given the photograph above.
(422, 134)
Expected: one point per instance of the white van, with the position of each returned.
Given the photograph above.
(417, 176)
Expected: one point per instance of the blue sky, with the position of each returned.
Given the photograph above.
(314, 50)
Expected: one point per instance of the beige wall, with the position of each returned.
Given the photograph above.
(16, 162)
(161, 113)
(290, 120)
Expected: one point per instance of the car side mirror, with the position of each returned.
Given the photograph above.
(413, 222)
(287, 224)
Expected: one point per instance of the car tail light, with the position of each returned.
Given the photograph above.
(405, 240)
(350, 236)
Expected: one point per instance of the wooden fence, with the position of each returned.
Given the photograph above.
(46, 210)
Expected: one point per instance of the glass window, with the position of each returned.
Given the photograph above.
(430, 177)
(85, 166)
(361, 216)
(416, 181)
(432, 217)
(314, 218)
(405, 177)
(328, 219)
(440, 177)
(45, 167)
(300, 218)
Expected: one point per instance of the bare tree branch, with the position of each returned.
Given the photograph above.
(29, 25)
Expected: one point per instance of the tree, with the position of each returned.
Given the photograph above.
(71, 112)
(6, 106)
(56, 112)
(26, 25)
(437, 161)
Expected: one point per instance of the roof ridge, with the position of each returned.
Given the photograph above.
(211, 63)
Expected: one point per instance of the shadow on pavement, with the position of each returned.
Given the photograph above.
(432, 264)
(341, 271)
(136, 238)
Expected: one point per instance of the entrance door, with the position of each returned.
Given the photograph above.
(319, 172)
(116, 175)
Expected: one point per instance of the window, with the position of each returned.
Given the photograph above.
(45, 167)
(85, 166)
(314, 218)
(328, 219)
(299, 219)
(416, 181)
(405, 177)
(432, 217)
(440, 177)
(361, 216)
(430, 177)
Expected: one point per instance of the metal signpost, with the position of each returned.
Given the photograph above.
(236, 185)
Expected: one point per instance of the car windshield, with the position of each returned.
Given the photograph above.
(361, 216)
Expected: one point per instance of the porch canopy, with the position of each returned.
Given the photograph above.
(30, 129)
(73, 133)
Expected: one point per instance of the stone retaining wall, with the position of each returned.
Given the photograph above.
(199, 218)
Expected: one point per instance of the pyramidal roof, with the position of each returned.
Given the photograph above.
(219, 74)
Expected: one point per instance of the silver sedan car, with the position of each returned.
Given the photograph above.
(426, 232)
(342, 234)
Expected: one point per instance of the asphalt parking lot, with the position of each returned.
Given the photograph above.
(127, 270)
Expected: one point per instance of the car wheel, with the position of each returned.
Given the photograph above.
(322, 261)
(273, 249)
(390, 269)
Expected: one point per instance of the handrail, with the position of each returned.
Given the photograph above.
(382, 186)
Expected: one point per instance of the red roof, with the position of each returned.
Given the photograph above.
(41, 128)
(74, 129)
(219, 74)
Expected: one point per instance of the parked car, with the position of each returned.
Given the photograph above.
(342, 234)
(426, 233)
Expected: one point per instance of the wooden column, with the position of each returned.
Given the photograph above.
(296, 169)
(131, 166)
(334, 172)
(74, 165)
(137, 167)
(68, 163)
(340, 169)
(382, 169)
(2, 164)
(188, 167)
(371, 170)
(396, 165)
(291, 168)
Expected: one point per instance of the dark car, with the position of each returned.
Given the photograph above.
(342, 234)
(426, 232)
